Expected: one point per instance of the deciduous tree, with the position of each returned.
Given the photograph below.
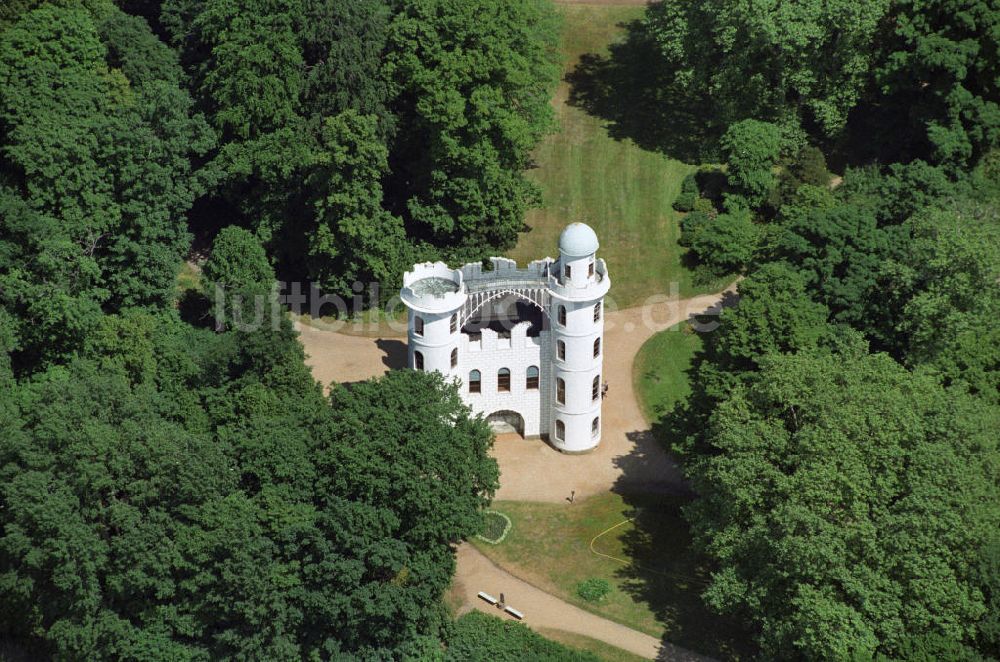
(846, 502)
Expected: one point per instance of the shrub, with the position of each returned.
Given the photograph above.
(691, 226)
(593, 589)
(689, 193)
(711, 183)
(752, 149)
(478, 637)
(809, 167)
(496, 526)
(705, 206)
(726, 243)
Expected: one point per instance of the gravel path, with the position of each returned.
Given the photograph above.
(628, 458)
(541, 610)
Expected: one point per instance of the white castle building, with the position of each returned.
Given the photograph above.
(524, 344)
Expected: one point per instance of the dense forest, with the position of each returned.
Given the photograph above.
(843, 427)
(175, 488)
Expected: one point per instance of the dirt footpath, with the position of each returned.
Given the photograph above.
(541, 610)
(530, 470)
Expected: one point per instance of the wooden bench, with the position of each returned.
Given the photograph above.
(513, 612)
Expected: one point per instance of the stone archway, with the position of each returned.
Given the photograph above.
(506, 421)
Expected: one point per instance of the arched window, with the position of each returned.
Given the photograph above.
(475, 382)
(597, 311)
(454, 358)
(560, 391)
(595, 426)
(561, 350)
(560, 430)
(454, 322)
(595, 388)
(531, 380)
(418, 361)
(418, 326)
(562, 315)
(597, 347)
(503, 379)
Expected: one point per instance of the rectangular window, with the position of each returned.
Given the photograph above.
(560, 430)
(560, 391)
(597, 312)
(595, 389)
(561, 350)
(597, 347)
(418, 326)
(590, 270)
(454, 323)
(568, 272)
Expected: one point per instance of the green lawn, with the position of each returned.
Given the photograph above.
(188, 278)
(622, 191)
(655, 590)
(660, 370)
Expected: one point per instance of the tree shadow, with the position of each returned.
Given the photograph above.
(668, 574)
(195, 309)
(631, 90)
(665, 570)
(394, 354)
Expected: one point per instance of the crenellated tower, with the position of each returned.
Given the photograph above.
(526, 345)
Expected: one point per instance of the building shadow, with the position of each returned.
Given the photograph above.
(394, 355)
(630, 89)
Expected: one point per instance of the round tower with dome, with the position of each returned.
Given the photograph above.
(524, 344)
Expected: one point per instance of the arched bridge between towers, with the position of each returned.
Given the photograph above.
(538, 297)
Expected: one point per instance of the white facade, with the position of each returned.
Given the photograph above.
(534, 336)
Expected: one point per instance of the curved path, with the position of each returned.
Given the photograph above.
(530, 470)
(627, 459)
(477, 573)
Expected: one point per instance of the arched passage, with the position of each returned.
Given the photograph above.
(506, 421)
(502, 310)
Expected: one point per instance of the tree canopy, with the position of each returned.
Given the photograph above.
(839, 497)
(911, 78)
(179, 494)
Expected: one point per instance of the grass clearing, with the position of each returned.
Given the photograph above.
(188, 278)
(660, 371)
(656, 580)
(621, 190)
